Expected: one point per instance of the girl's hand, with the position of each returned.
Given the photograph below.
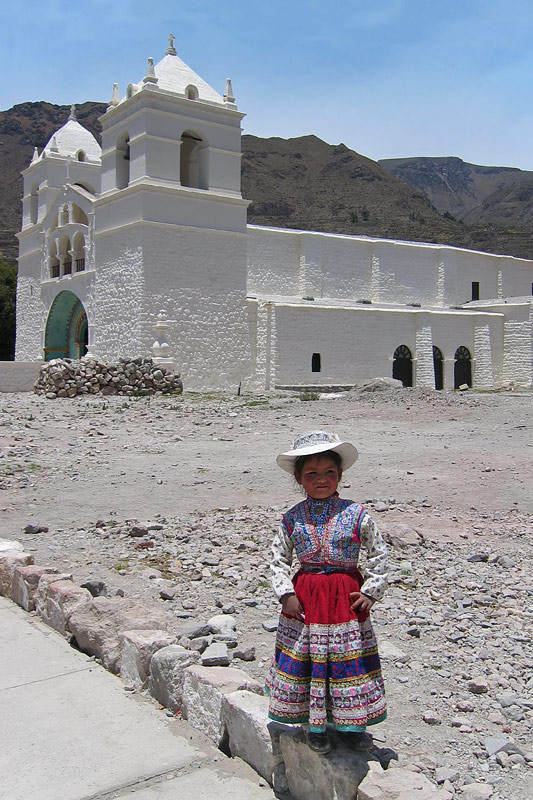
(361, 602)
(291, 606)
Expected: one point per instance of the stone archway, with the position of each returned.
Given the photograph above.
(402, 365)
(438, 368)
(462, 368)
(66, 333)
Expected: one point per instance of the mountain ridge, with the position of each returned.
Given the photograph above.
(308, 184)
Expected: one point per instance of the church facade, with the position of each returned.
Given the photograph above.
(146, 239)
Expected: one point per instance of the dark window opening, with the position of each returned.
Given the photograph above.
(438, 369)
(402, 365)
(475, 290)
(315, 362)
(462, 368)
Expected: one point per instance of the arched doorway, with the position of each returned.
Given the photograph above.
(438, 368)
(66, 334)
(402, 365)
(462, 368)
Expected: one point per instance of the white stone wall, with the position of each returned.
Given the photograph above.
(18, 376)
(299, 263)
(115, 306)
(358, 344)
(354, 344)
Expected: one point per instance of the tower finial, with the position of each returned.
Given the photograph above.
(35, 156)
(228, 94)
(150, 76)
(171, 50)
(73, 113)
(115, 97)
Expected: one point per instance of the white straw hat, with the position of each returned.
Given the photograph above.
(317, 442)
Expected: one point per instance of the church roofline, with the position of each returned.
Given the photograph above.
(171, 98)
(331, 304)
(400, 242)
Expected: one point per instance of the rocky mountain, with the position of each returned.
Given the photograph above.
(308, 184)
(457, 187)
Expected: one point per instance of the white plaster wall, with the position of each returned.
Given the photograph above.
(18, 376)
(273, 261)
(354, 344)
(408, 273)
(115, 304)
(198, 279)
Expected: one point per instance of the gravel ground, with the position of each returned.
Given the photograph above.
(181, 496)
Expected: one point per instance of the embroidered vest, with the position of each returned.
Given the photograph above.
(326, 533)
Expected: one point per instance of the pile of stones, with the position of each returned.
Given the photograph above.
(65, 377)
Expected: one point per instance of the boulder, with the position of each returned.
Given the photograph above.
(311, 776)
(203, 691)
(9, 561)
(401, 536)
(136, 651)
(97, 626)
(245, 717)
(398, 784)
(25, 582)
(64, 597)
(166, 675)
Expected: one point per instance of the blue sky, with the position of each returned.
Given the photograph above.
(389, 78)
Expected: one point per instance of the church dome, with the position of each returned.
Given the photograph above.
(75, 141)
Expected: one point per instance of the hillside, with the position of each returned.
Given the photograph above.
(455, 186)
(306, 183)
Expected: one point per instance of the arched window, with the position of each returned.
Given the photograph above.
(122, 164)
(438, 368)
(79, 215)
(462, 368)
(53, 263)
(402, 365)
(193, 161)
(34, 203)
(64, 256)
(78, 248)
(80, 155)
(192, 92)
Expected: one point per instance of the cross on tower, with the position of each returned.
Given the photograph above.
(171, 50)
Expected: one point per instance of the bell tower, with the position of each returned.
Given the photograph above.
(171, 223)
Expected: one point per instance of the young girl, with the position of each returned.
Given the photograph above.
(326, 667)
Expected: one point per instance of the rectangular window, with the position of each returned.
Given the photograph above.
(315, 362)
(475, 290)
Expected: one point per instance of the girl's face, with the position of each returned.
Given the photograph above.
(319, 477)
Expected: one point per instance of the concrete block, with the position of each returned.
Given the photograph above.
(398, 784)
(25, 582)
(136, 651)
(166, 674)
(9, 561)
(98, 625)
(245, 717)
(311, 776)
(203, 691)
(63, 599)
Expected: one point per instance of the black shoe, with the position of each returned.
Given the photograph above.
(318, 742)
(357, 741)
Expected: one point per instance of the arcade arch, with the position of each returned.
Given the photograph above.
(66, 333)
(402, 365)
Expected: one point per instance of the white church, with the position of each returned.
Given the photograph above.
(141, 247)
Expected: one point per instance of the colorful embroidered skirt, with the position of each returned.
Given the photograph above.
(326, 668)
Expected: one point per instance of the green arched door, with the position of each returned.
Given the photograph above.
(66, 334)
